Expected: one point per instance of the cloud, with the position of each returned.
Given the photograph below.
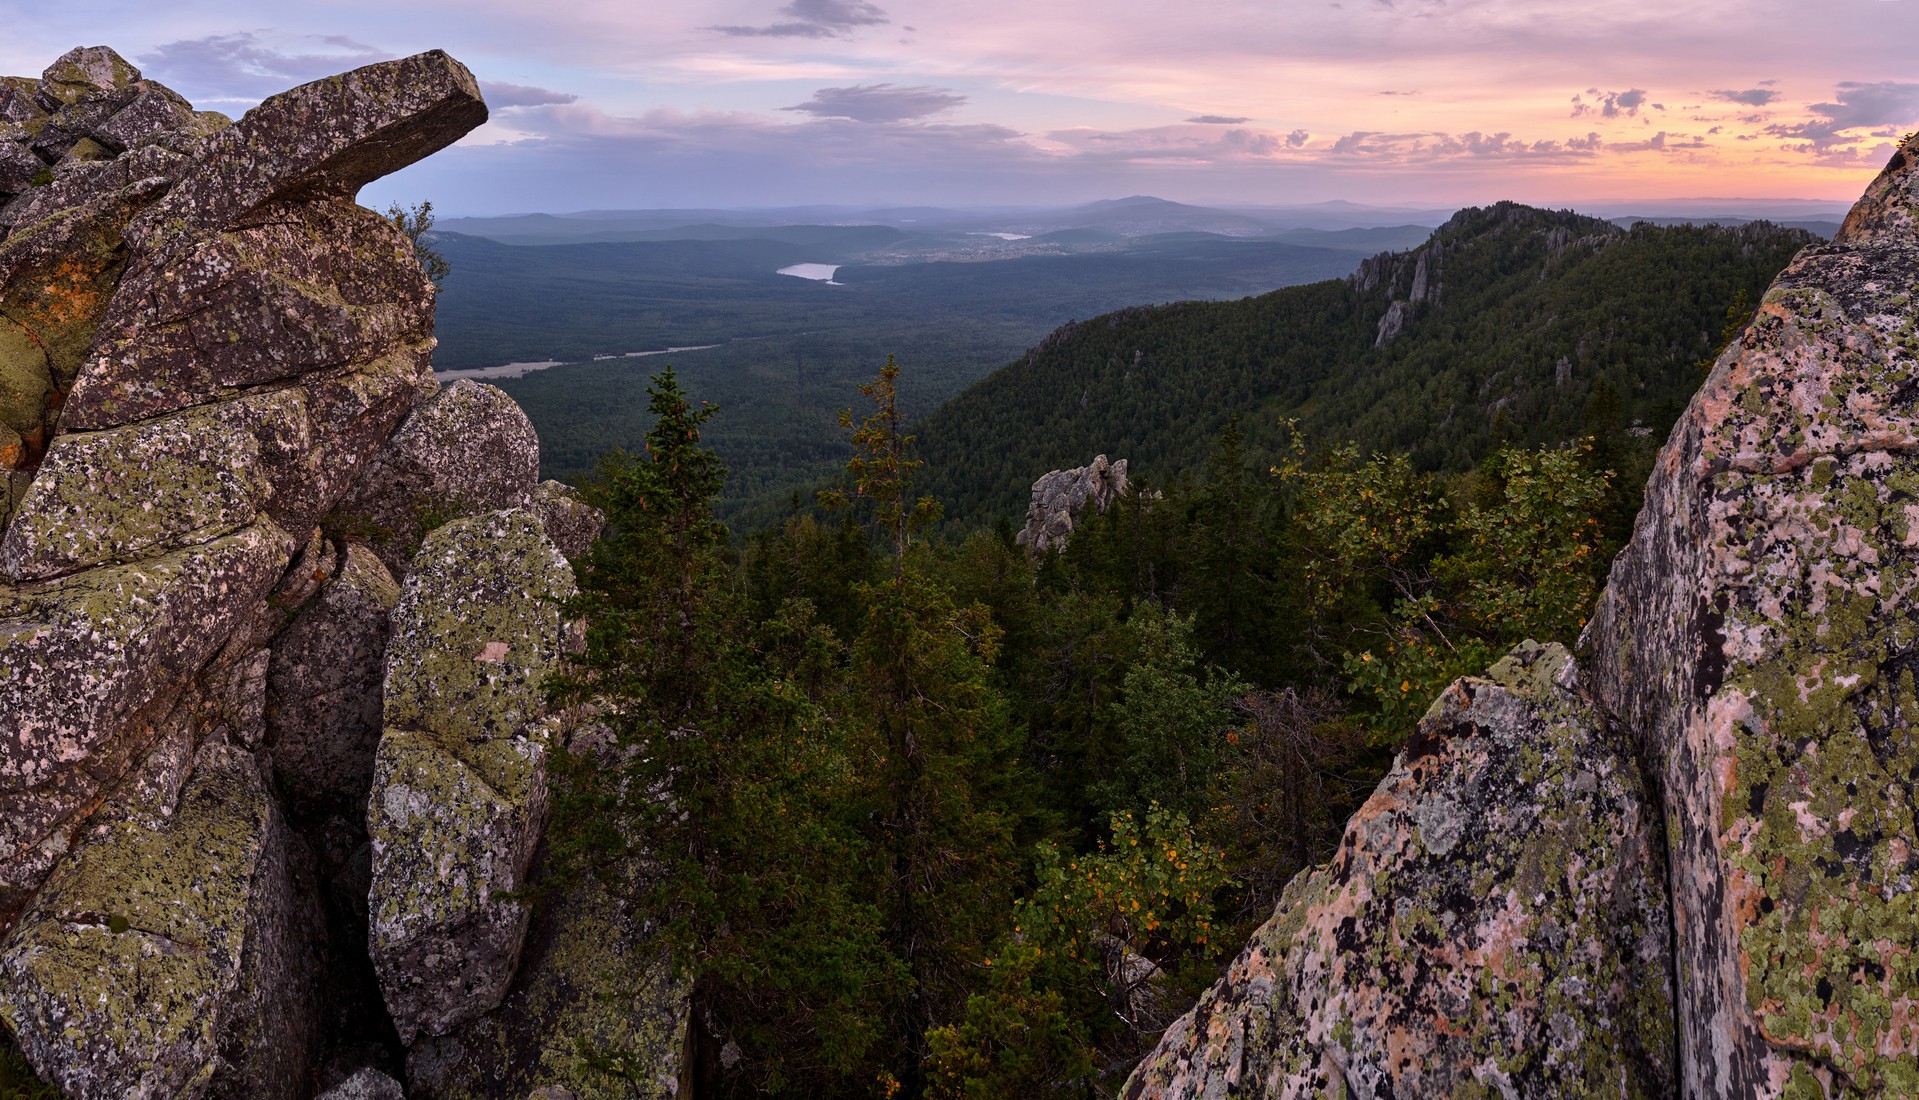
(240, 67)
(1751, 97)
(1297, 138)
(815, 19)
(1219, 120)
(1432, 145)
(878, 102)
(1176, 144)
(1661, 142)
(500, 95)
(1611, 104)
(1858, 106)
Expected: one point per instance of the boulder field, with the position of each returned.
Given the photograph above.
(274, 610)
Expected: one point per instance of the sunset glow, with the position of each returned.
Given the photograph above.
(755, 102)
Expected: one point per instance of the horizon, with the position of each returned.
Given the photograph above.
(754, 104)
(1652, 204)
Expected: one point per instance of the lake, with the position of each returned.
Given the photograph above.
(818, 272)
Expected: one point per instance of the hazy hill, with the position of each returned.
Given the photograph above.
(1507, 321)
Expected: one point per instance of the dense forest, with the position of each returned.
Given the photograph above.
(1512, 325)
(934, 818)
(925, 815)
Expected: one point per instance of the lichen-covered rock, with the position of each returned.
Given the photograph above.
(88, 666)
(1494, 923)
(312, 286)
(1061, 495)
(593, 975)
(18, 169)
(325, 139)
(324, 682)
(165, 957)
(469, 450)
(368, 1084)
(57, 275)
(1758, 636)
(83, 73)
(154, 110)
(570, 522)
(459, 783)
(119, 496)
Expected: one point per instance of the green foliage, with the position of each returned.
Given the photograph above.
(942, 740)
(1150, 889)
(724, 776)
(17, 1079)
(1168, 724)
(1451, 587)
(1083, 975)
(828, 752)
(416, 223)
(1021, 1037)
(1293, 766)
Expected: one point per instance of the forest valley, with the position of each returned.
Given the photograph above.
(925, 818)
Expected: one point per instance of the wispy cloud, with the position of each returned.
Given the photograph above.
(1751, 97)
(1612, 104)
(878, 103)
(814, 19)
(1219, 120)
(1857, 106)
(241, 67)
(500, 95)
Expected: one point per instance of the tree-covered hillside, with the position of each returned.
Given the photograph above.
(1511, 325)
(790, 349)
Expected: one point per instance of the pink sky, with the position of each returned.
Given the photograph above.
(610, 103)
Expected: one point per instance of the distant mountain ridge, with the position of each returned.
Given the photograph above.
(1506, 326)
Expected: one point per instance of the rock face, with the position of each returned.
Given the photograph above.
(324, 684)
(1757, 635)
(470, 449)
(255, 790)
(1753, 657)
(1494, 923)
(459, 787)
(1062, 494)
(167, 956)
(592, 972)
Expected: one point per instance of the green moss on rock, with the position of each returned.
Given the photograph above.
(459, 787)
(1494, 923)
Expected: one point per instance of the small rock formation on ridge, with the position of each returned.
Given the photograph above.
(1058, 497)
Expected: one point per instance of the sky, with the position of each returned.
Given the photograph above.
(631, 104)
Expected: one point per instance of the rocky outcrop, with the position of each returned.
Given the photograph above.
(368, 1084)
(459, 789)
(1494, 923)
(1753, 657)
(168, 956)
(324, 683)
(593, 972)
(1059, 497)
(570, 522)
(205, 345)
(469, 450)
(1757, 636)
